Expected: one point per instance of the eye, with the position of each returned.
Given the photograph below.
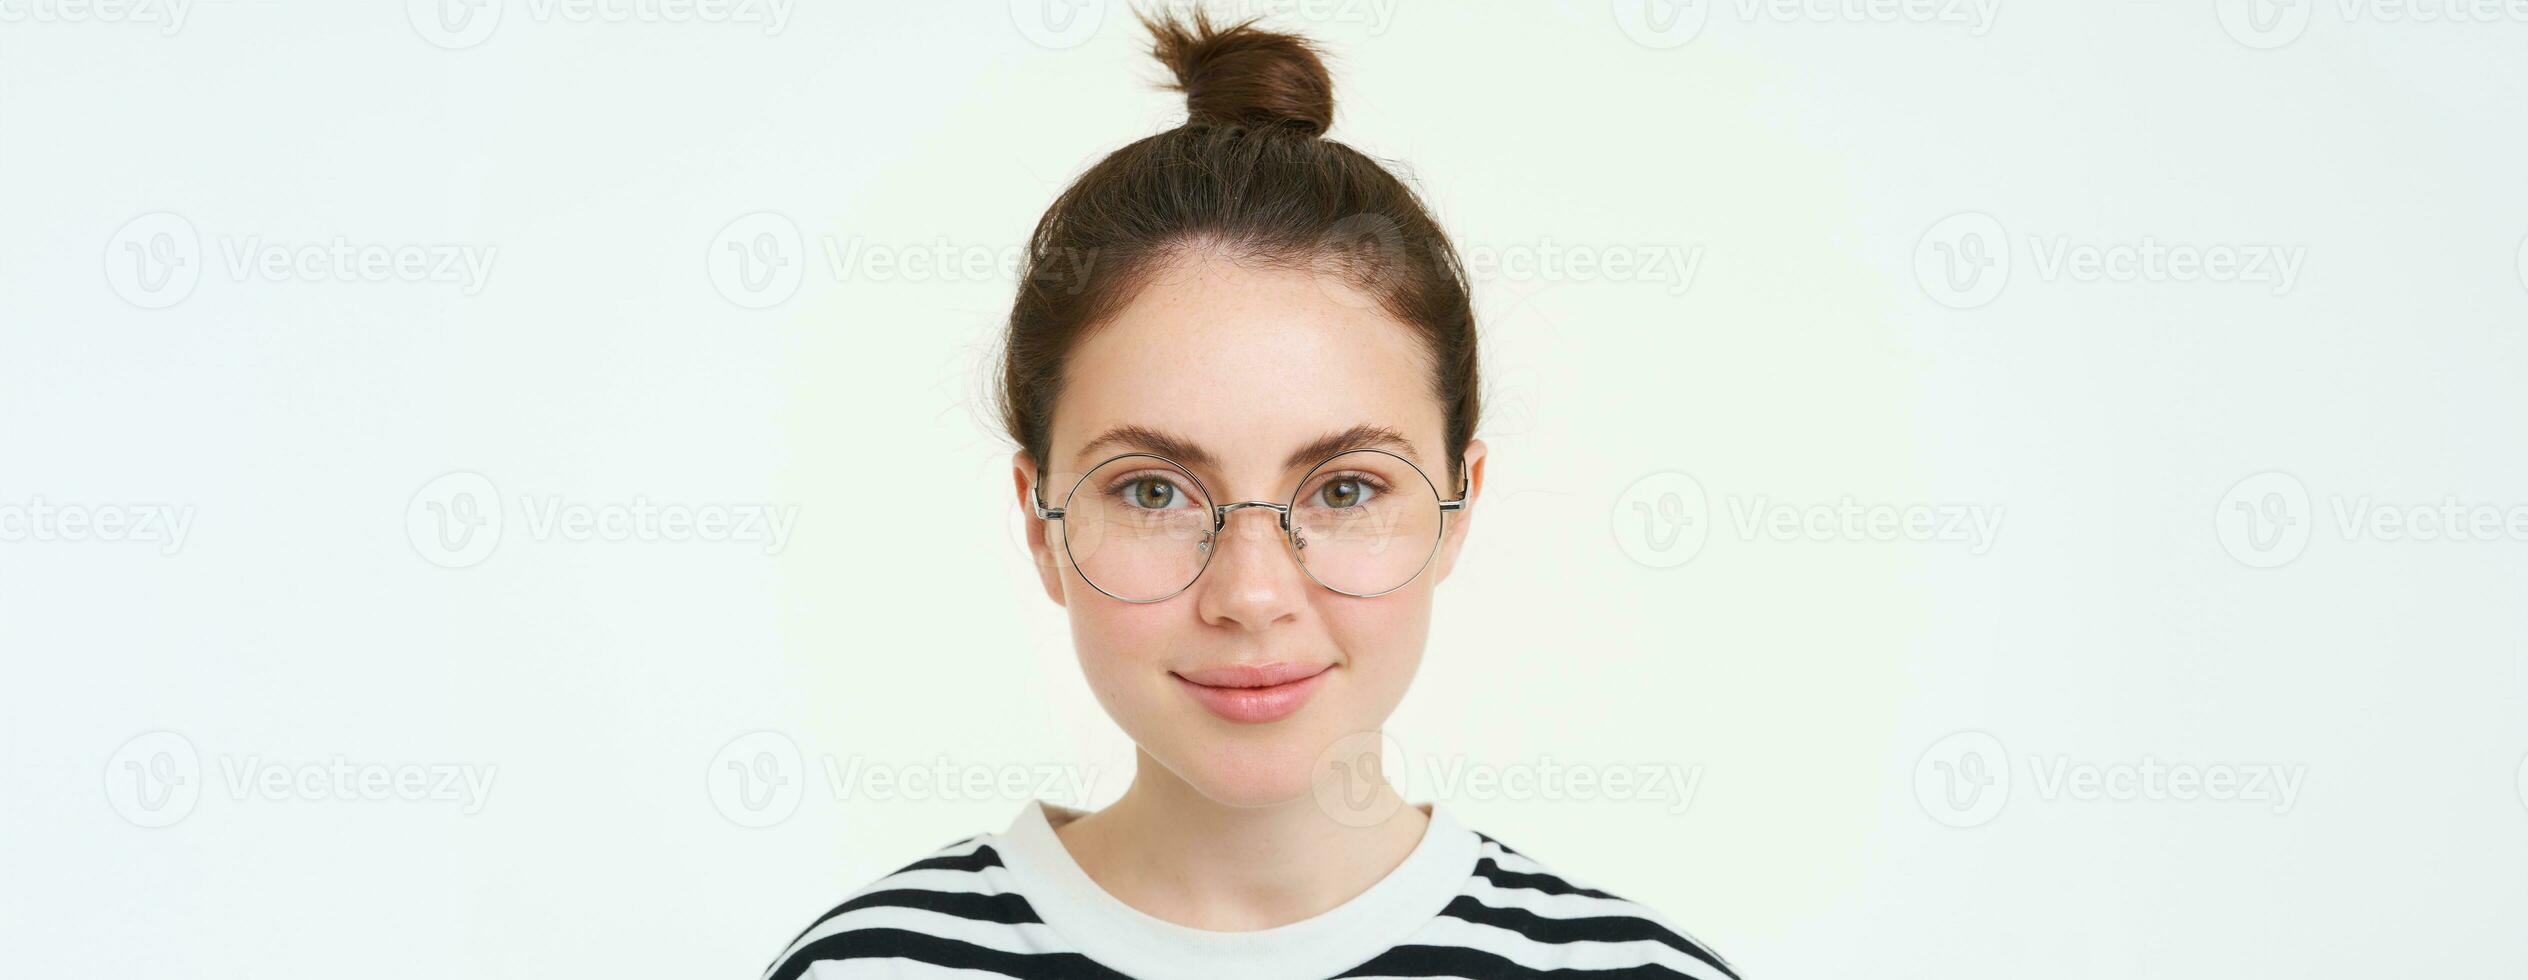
(1148, 491)
(1348, 490)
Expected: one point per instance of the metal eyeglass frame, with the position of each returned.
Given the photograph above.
(1220, 519)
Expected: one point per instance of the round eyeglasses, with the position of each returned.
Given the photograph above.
(1140, 528)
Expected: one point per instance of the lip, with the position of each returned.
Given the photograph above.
(1252, 694)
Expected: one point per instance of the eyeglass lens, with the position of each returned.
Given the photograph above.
(1140, 527)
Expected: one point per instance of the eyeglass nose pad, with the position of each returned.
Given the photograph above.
(1298, 539)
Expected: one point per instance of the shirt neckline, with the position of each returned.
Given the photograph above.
(1139, 944)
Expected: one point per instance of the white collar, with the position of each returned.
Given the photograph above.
(1136, 943)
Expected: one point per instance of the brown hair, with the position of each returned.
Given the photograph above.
(1248, 173)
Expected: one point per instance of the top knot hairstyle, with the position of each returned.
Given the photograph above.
(1245, 77)
(1251, 175)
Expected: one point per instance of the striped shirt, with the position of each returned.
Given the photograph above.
(1014, 904)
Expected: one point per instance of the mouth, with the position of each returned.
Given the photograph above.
(1252, 694)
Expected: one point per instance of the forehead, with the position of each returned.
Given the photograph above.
(1250, 363)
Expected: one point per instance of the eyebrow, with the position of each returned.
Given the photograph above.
(1143, 438)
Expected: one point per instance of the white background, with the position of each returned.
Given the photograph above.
(2143, 602)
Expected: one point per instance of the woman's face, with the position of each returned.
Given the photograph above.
(1249, 364)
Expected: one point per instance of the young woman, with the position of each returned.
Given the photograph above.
(1241, 374)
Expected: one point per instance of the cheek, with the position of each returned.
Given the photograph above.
(1382, 640)
(1122, 647)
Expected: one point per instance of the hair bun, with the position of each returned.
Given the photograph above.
(1241, 75)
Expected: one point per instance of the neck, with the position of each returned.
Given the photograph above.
(1177, 855)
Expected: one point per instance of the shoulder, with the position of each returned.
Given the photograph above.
(1516, 909)
(953, 910)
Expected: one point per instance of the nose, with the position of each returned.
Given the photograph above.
(1255, 583)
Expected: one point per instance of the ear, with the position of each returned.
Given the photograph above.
(1039, 543)
(1461, 520)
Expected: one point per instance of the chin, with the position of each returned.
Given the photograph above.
(1248, 769)
(1244, 765)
